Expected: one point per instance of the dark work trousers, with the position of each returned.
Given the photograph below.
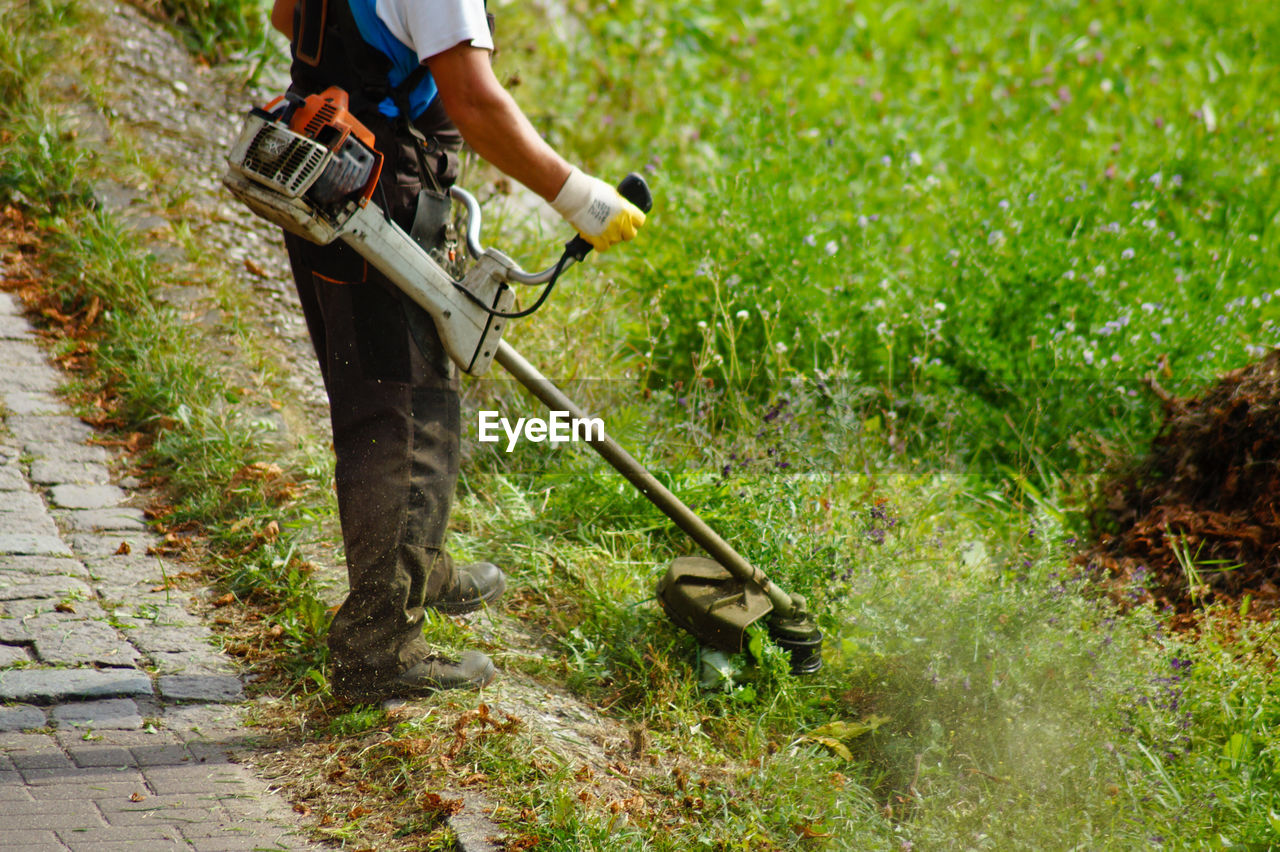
(393, 400)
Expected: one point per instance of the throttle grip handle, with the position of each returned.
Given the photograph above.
(634, 189)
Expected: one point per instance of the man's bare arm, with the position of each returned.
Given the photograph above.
(491, 121)
(282, 16)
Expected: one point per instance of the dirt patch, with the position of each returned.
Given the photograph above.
(1197, 522)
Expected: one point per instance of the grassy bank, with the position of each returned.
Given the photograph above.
(993, 220)
(978, 691)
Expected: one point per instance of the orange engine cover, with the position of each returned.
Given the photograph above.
(328, 109)
(355, 164)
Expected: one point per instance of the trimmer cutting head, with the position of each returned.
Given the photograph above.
(702, 598)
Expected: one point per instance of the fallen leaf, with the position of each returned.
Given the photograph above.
(124, 549)
(833, 745)
(136, 797)
(433, 803)
(843, 730)
(226, 599)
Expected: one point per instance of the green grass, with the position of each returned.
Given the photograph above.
(996, 219)
(216, 29)
(1010, 707)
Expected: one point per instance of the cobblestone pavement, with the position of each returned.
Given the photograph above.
(117, 714)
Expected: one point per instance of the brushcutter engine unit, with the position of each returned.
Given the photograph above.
(304, 164)
(309, 166)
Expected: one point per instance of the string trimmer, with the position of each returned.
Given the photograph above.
(310, 167)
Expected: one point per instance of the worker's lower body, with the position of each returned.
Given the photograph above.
(394, 406)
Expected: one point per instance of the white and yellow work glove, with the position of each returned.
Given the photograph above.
(596, 211)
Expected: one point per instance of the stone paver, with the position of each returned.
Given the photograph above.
(96, 545)
(20, 717)
(44, 686)
(14, 485)
(12, 655)
(11, 479)
(34, 523)
(200, 661)
(36, 565)
(155, 638)
(113, 713)
(115, 519)
(15, 586)
(31, 402)
(50, 436)
(74, 496)
(55, 471)
(14, 327)
(26, 544)
(93, 642)
(201, 687)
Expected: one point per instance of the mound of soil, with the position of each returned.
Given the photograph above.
(1207, 497)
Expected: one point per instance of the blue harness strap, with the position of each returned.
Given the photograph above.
(404, 60)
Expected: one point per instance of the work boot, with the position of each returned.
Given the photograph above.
(473, 586)
(472, 670)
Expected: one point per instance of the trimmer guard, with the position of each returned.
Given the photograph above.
(709, 603)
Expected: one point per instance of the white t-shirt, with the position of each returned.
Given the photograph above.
(433, 26)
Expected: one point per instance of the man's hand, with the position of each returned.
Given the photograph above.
(597, 211)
